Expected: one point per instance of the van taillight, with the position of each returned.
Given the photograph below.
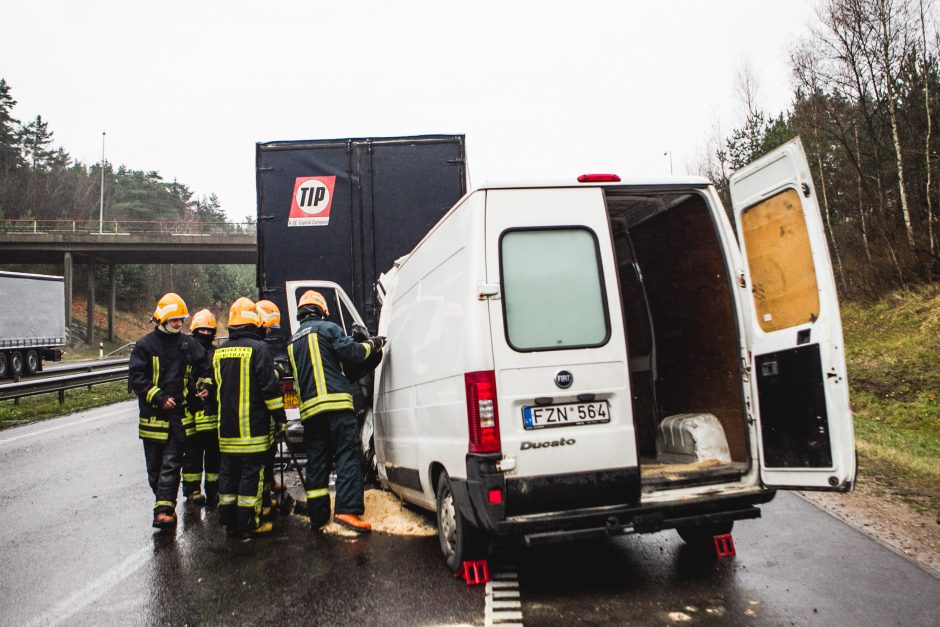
(482, 414)
(599, 178)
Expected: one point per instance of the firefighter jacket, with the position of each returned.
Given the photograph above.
(248, 394)
(157, 371)
(204, 412)
(318, 352)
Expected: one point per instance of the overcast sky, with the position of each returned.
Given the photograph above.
(541, 89)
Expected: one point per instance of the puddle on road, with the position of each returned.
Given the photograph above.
(387, 515)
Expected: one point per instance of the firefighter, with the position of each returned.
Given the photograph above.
(318, 352)
(156, 373)
(249, 398)
(202, 451)
(271, 329)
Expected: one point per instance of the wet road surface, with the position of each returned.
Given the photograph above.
(76, 548)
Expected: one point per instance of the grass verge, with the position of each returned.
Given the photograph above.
(893, 358)
(43, 406)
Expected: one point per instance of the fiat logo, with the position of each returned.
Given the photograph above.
(564, 379)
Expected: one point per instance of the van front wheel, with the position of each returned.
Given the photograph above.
(460, 541)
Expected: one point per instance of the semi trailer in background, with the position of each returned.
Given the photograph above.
(32, 322)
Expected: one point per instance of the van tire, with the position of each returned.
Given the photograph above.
(702, 535)
(460, 541)
(370, 471)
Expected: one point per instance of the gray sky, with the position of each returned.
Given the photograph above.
(542, 89)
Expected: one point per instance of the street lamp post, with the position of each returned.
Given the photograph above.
(669, 152)
(101, 207)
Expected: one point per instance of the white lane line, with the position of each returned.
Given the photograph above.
(503, 603)
(63, 426)
(93, 590)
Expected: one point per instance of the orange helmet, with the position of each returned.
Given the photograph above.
(270, 314)
(314, 299)
(171, 305)
(202, 319)
(243, 312)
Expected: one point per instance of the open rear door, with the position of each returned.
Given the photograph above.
(793, 326)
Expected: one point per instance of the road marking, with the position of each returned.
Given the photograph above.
(63, 426)
(503, 605)
(94, 590)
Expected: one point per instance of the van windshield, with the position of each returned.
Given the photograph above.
(553, 294)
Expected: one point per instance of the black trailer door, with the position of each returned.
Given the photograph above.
(343, 210)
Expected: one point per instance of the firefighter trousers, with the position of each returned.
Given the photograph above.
(164, 461)
(333, 437)
(241, 487)
(202, 453)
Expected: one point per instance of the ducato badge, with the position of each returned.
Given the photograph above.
(564, 379)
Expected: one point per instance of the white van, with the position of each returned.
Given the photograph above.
(594, 356)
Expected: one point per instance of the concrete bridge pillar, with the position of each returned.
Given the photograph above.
(67, 275)
(91, 302)
(112, 301)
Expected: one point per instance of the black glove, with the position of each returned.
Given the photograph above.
(377, 343)
(360, 333)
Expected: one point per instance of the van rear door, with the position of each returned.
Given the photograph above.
(558, 348)
(793, 326)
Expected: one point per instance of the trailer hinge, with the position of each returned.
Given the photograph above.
(455, 162)
(487, 291)
(265, 168)
(742, 280)
(745, 370)
(266, 218)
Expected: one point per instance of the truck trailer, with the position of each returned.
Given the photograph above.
(32, 322)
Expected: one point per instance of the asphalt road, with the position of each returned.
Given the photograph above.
(76, 548)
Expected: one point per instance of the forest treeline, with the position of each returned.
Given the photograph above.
(41, 181)
(865, 104)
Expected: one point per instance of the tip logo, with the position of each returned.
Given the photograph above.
(313, 197)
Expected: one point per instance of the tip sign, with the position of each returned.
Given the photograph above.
(313, 196)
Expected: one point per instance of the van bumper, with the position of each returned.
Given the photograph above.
(568, 523)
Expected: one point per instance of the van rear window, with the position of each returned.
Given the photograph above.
(552, 285)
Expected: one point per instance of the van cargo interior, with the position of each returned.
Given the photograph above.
(682, 338)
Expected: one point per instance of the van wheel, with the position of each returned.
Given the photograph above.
(702, 535)
(32, 362)
(370, 471)
(460, 541)
(16, 363)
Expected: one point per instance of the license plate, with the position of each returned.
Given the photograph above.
(290, 399)
(544, 416)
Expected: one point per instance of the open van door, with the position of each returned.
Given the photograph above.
(793, 327)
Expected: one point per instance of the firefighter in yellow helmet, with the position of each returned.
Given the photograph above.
(249, 398)
(157, 373)
(270, 317)
(202, 451)
(319, 352)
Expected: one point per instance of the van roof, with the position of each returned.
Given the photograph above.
(661, 181)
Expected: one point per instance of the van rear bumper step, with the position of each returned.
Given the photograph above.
(642, 523)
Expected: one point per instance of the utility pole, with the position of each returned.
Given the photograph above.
(101, 208)
(669, 152)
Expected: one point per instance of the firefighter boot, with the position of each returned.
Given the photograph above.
(262, 529)
(164, 520)
(354, 522)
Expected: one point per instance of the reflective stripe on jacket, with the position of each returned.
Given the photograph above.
(156, 371)
(247, 394)
(317, 354)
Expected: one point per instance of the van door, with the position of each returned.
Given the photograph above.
(558, 349)
(793, 327)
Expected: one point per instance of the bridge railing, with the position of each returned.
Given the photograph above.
(122, 227)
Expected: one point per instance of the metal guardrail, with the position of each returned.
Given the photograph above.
(127, 227)
(67, 378)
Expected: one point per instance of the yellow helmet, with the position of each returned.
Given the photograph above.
(314, 299)
(243, 312)
(270, 314)
(171, 305)
(202, 319)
